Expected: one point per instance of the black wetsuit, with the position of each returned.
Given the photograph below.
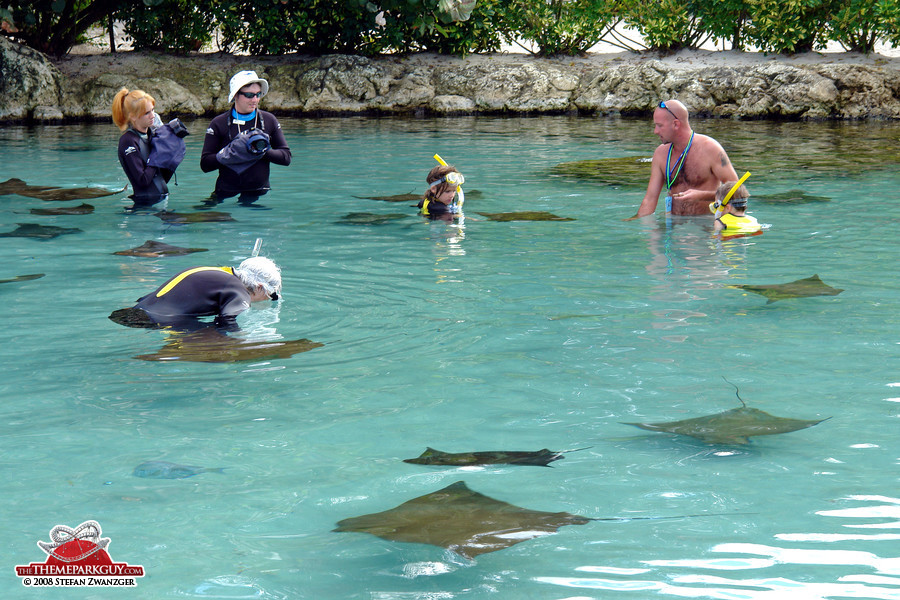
(197, 292)
(148, 183)
(434, 209)
(253, 182)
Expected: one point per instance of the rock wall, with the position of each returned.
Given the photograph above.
(718, 84)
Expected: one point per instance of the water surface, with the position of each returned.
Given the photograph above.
(494, 336)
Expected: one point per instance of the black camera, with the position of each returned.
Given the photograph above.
(178, 128)
(257, 141)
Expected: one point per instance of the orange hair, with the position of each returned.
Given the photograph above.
(127, 106)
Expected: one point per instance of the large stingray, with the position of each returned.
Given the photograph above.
(790, 197)
(413, 197)
(541, 458)
(525, 215)
(210, 346)
(194, 217)
(40, 232)
(82, 209)
(802, 288)
(365, 218)
(152, 249)
(735, 426)
(22, 278)
(627, 170)
(17, 186)
(461, 520)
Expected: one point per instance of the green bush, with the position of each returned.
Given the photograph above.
(858, 24)
(175, 26)
(789, 26)
(568, 27)
(666, 25)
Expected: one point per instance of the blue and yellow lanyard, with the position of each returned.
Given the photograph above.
(670, 178)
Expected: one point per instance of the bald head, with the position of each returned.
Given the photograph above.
(675, 109)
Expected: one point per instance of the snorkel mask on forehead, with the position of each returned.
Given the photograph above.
(454, 178)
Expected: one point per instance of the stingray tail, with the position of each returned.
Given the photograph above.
(737, 392)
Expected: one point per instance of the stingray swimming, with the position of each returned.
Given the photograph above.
(525, 215)
(462, 520)
(733, 426)
(82, 209)
(194, 217)
(153, 249)
(53, 193)
(801, 288)
(39, 232)
(210, 346)
(541, 458)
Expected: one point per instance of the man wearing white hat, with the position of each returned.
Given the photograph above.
(242, 142)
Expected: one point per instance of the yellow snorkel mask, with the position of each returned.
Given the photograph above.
(452, 178)
(719, 207)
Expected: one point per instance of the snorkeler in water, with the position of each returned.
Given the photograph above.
(444, 197)
(732, 219)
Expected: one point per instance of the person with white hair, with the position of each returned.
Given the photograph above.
(221, 292)
(242, 142)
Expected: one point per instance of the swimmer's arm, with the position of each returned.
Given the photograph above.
(651, 198)
(211, 145)
(279, 153)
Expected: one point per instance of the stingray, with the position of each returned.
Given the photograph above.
(802, 288)
(540, 458)
(735, 426)
(195, 217)
(525, 215)
(82, 209)
(461, 520)
(364, 218)
(790, 197)
(627, 170)
(22, 278)
(17, 186)
(210, 346)
(153, 249)
(413, 197)
(40, 232)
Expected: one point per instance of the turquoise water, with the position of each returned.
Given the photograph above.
(494, 336)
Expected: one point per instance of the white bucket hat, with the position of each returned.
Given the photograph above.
(243, 78)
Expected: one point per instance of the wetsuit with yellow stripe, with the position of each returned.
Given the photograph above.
(197, 292)
(738, 225)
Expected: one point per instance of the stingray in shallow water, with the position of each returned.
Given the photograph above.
(17, 186)
(161, 469)
(733, 426)
(82, 209)
(39, 232)
(802, 288)
(152, 249)
(364, 218)
(194, 217)
(461, 520)
(790, 197)
(540, 458)
(210, 346)
(22, 278)
(525, 215)
(625, 170)
(413, 197)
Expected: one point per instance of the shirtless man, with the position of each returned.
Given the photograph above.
(697, 164)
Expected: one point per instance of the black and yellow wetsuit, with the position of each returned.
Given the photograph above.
(197, 292)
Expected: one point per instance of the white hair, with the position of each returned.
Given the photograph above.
(260, 271)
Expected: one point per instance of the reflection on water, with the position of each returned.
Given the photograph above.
(481, 336)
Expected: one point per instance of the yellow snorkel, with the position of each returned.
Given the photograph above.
(720, 206)
(459, 190)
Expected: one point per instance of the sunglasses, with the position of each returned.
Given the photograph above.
(663, 105)
(249, 95)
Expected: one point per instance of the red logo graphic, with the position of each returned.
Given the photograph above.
(78, 557)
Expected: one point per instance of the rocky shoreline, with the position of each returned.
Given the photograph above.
(35, 89)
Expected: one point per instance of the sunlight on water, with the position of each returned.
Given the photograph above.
(516, 335)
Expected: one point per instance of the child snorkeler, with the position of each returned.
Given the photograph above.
(733, 221)
(444, 181)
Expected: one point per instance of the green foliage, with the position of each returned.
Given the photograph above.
(54, 26)
(666, 25)
(790, 26)
(569, 27)
(176, 26)
(723, 19)
(858, 24)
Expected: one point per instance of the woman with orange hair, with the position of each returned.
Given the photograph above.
(132, 112)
